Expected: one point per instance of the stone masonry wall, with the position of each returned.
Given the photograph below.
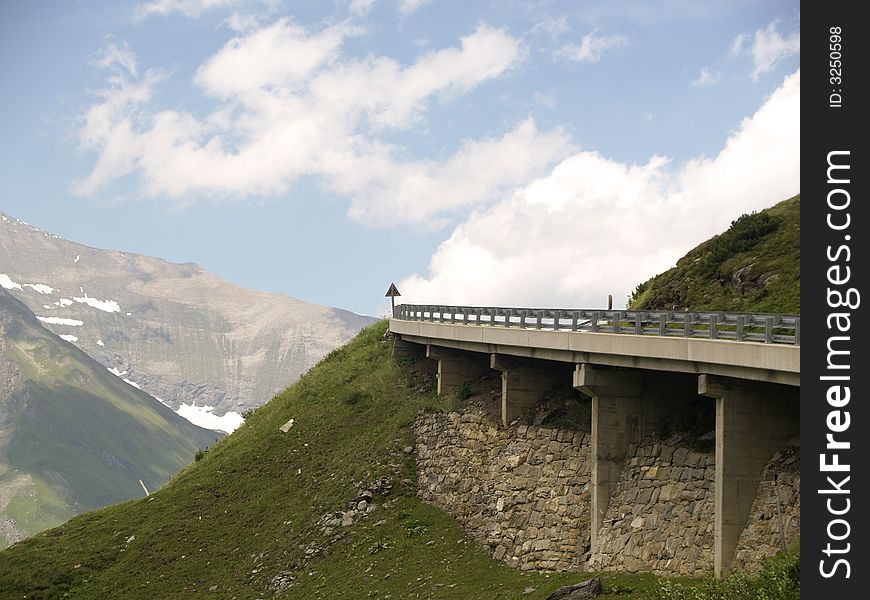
(780, 480)
(522, 492)
(660, 518)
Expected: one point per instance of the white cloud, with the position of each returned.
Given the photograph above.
(739, 43)
(768, 48)
(594, 226)
(190, 8)
(591, 47)
(281, 54)
(361, 7)
(290, 105)
(707, 77)
(553, 27)
(113, 57)
(407, 7)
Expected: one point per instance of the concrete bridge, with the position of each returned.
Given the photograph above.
(635, 366)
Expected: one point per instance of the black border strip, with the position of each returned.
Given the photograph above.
(834, 230)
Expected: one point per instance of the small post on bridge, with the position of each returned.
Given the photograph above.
(391, 294)
(609, 301)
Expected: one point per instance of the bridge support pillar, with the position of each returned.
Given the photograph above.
(626, 404)
(616, 406)
(753, 420)
(455, 367)
(524, 383)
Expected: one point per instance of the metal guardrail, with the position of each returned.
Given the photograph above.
(768, 328)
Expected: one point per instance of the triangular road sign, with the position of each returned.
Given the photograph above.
(392, 292)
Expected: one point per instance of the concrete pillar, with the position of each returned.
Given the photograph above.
(616, 424)
(455, 367)
(753, 421)
(524, 381)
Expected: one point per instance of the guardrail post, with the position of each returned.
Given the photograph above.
(540, 316)
(687, 324)
(768, 330)
(594, 324)
(663, 324)
(738, 329)
(617, 317)
(638, 323)
(797, 331)
(574, 321)
(714, 331)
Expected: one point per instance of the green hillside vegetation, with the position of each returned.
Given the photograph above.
(246, 519)
(74, 437)
(754, 266)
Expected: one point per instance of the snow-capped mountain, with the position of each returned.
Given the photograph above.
(203, 346)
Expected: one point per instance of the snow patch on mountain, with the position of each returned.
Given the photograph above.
(109, 306)
(204, 417)
(133, 383)
(116, 372)
(40, 288)
(61, 321)
(69, 338)
(63, 302)
(7, 283)
(100, 343)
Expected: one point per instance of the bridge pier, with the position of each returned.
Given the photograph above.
(524, 383)
(625, 408)
(455, 367)
(753, 421)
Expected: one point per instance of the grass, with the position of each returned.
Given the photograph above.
(249, 510)
(753, 266)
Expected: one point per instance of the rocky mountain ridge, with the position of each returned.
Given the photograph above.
(205, 347)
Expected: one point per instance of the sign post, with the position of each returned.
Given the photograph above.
(391, 294)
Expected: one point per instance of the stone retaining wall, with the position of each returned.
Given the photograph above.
(522, 492)
(660, 518)
(780, 481)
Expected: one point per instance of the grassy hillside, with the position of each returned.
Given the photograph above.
(73, 437)
(248, 518)
(753, 266)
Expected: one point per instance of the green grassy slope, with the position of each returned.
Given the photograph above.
(249, 511)
(753, 266)
(73, 437)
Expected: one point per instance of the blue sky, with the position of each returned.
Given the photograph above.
(514, 153)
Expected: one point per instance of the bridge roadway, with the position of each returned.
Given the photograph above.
(636, 367)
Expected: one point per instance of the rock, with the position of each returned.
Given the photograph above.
(529, 590)
(286, 426)
(579, 591)
(281, 582)
(408, 449)
(213, 588)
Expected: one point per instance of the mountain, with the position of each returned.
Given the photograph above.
(183, 335)
(753, 266)
(74, 437)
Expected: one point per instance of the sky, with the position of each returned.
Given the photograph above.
(510, 153)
